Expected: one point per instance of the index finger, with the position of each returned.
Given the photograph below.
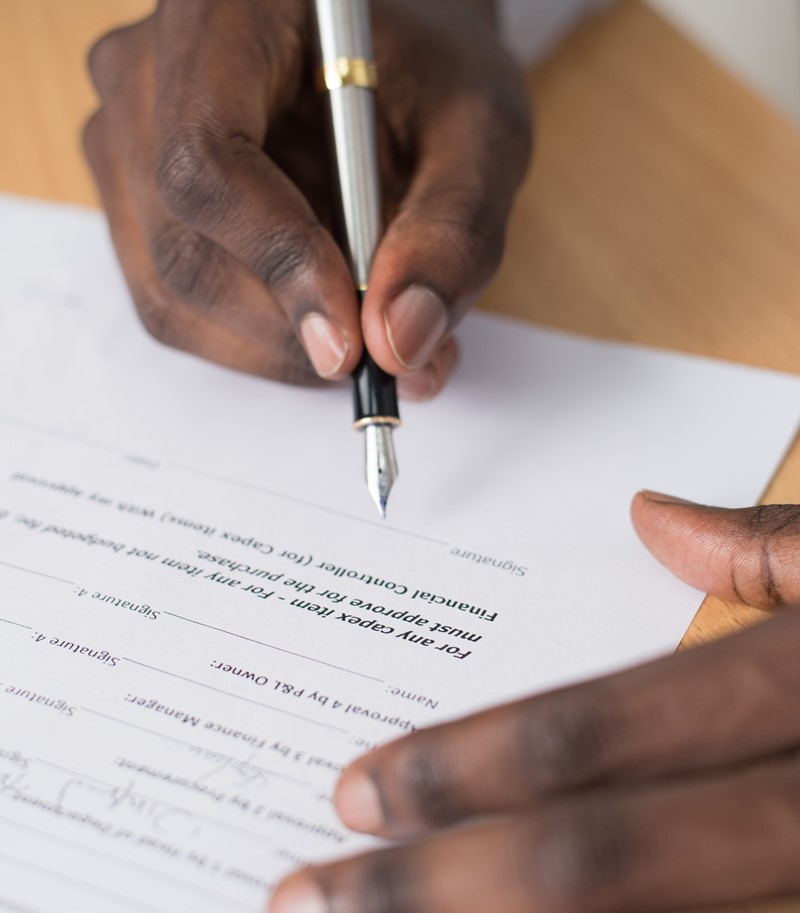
(225, 71)
(717, 705)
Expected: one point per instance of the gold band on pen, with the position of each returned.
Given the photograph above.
(347, 71)
(362, 423)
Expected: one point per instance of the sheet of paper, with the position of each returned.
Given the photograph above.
(202, 618)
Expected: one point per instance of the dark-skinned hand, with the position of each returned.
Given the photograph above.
(669, 786)
(210, 156)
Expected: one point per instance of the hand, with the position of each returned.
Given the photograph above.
(211, 161)
(664, 787)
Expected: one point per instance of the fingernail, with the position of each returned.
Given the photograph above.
(298, 895)
(661, 498)
(415, 323)
(418, 386)
(358, 804)
(324, 344)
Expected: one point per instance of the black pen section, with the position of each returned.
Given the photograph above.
(374, 393)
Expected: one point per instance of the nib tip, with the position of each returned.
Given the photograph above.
(381, 466)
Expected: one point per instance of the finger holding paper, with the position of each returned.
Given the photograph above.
(666, 786)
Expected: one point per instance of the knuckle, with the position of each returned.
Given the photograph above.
(478, 234)
(387, 885)
(284, 254)
(505, 114)
(188, 264)
(566, 739)
(106, 59)
(770, 529)
(475, 233)
(770, 597)
(517, 124)
(578, 858)
(430, 785)
(468, 226)
(501, 118)
(189, 179)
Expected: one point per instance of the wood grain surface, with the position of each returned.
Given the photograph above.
(663, 208)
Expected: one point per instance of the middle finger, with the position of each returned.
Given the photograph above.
(714, 706)
(645, 849)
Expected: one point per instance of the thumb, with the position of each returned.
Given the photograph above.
(446, 241)
(747, 555)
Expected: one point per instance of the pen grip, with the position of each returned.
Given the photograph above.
(374, 394)
(374, 391)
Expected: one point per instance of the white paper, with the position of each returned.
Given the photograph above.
(169, 739)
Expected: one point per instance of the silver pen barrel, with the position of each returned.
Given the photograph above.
(348, 77)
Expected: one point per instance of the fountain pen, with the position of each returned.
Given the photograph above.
(348, 78)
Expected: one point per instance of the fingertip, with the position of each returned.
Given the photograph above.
(297, 894)
(419, 386)
(425, 384)
(693, 541)
(407, 312)
(654, 519)
(651, 509)
(326, 345)
(415, 323)
(658, 497)
(357, 802)
(321, 303)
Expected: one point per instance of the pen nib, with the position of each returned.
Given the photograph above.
(381, 465)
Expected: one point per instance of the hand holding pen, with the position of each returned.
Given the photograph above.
(210, 153)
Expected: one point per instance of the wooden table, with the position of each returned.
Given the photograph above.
(664, 207)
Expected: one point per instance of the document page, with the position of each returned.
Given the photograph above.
(203, 618)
